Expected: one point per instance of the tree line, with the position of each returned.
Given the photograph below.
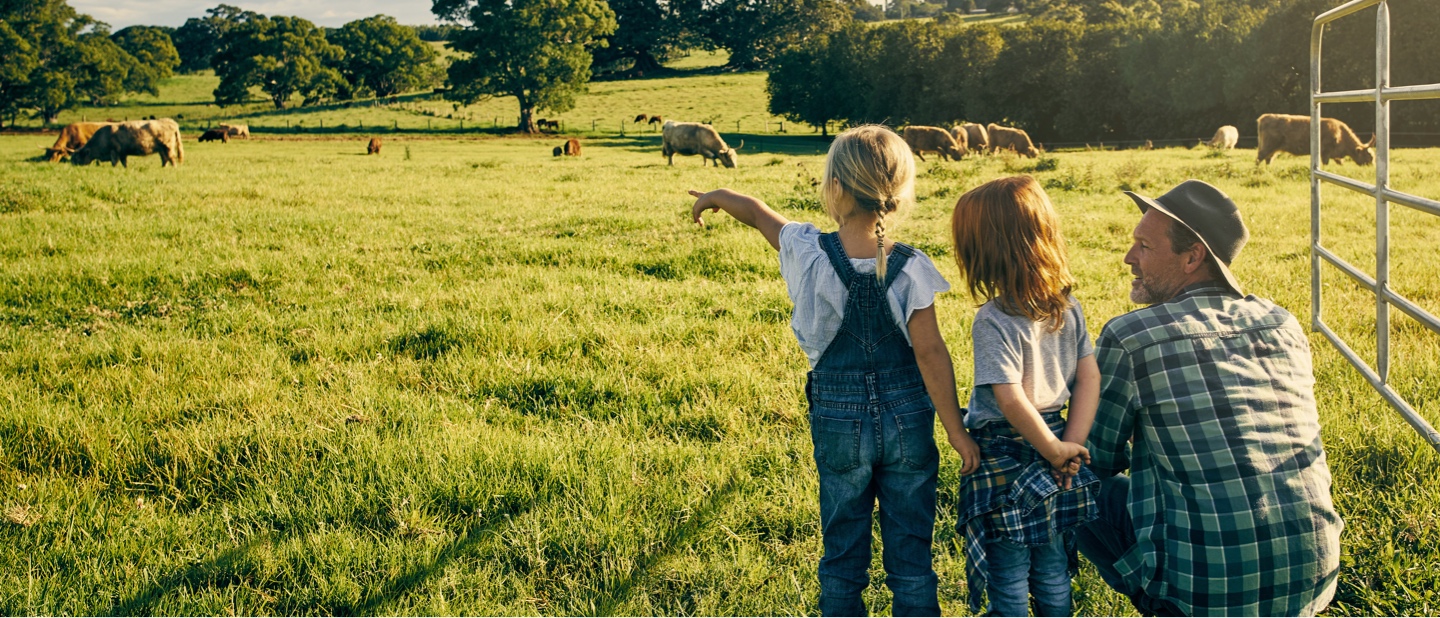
(1092, 71)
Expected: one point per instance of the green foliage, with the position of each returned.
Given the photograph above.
(756, 31)
(647, 33)
(154, 54)
(538, 51)
(61, 59)
(384, 57)
(283, 56)
(198, 40)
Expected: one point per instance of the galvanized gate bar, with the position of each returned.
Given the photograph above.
(1381, 95)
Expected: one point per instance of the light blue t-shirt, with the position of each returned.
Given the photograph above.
(819, 294)
(1013, 349)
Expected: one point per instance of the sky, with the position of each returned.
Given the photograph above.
(122, 13)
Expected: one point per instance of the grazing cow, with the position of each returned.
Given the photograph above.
(962, 137)
(559, 150)
(1225, 138)
(215, 135)
(977, 138)
(1007, 138)
(572, 147)
(373, 147)
(692, 138)
(236, 130)
(932, 139)
(641, 118)
(1288, 133)
(657, 119)
(71, 138)
(137, 138)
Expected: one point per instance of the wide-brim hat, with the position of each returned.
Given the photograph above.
(1209, 214)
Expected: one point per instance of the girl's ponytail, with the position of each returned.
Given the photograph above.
(874, 167)
(880, 258)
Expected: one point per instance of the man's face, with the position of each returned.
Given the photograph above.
(1159, 271)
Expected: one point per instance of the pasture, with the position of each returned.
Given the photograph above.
(465, 377)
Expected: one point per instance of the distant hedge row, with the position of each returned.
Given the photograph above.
(1152, 71)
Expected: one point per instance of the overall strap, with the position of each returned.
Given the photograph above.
(900, 253)
(841, 262)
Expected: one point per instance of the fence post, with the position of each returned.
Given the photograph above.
(592, 125)
(737, 126)
(394, 124)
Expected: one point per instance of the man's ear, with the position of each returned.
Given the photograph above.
(1195, 258)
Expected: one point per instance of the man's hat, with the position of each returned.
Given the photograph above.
(1209, 214)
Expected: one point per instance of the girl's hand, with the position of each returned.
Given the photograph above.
(1062, 453)
(967, 448)
(745, 209)
(1065, 475)
(711, 201)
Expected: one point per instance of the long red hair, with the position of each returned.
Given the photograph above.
(1008, 246)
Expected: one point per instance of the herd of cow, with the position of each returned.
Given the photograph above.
(90, 142)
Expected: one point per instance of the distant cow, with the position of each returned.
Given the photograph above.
(1288, 133)
(215, 135)
(692, 138)
(962, 137)
(932, 139)
(1007, 138)
(642, 118)
(137, 138)
(572, 147)
(657, 119)
(1225, 138)
(373, 147)
(72, 138)
(559, 150)
(976, 137)
(236, 130)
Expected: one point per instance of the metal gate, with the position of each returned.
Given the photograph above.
(1381, 95)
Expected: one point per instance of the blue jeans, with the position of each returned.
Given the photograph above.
(1107, 539)
(1017, 572)
(876, 446)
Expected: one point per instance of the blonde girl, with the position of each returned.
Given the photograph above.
(1032, 357)
(880, 371)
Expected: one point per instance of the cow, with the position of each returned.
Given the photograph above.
(373, 147)
(932, 139)
(962, 137)
(572, 147)
(116, 142)
(641, 118)
(657, 119)
(71, 138)
(215, 135)
(559, 150)
(236, 130)
(976, 137)
(1225, 138)
(1289, 133)
(1007, 138)
(692, 138)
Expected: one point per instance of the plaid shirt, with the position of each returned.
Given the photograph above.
(1013, 496)
(1230, 494)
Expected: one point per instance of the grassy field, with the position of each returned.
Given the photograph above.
(465, 377)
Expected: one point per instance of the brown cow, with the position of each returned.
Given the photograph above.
(642, 118)
(1290, 133)
(1007, 138)
(116, 142)
(692, 138)
(72, 138)
(962, 137)
(236, 130)
(932, 139)
(373, 147)
(572, 147)
(215, 135)
(657, 119)
(976, 137)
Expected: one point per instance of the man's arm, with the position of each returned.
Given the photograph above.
(1115, 416)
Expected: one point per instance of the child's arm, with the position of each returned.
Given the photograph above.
(1023, 416)
(745, 209)
(1083, 400)
(939, 374)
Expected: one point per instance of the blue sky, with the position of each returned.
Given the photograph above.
(121, 13)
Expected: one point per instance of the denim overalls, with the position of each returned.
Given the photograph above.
(873, 426)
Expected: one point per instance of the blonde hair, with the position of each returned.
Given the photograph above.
(873, 167)
(1008, 245)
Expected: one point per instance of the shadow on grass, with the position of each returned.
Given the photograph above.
(204, 575)
(754, 143)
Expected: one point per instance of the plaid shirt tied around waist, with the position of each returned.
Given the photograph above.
(1229, 493)
(1012, 496)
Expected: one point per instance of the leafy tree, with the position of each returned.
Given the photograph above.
(60, 59)
(538, 51)
(154, 54)
(199, 39)
(648, 32)
(755, 31)
(382, 56)
(283, 56)
(21, 59)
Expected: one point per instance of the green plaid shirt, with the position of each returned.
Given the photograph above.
(1230, 494)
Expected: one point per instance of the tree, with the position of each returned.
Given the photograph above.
(21, 59)
(61, 59)
(382, 56)
(199, 39)
(283, 56)
(154, 54)
(755, 31)
(538, 51)
(648, 32)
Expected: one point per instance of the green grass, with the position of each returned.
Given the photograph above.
(286, 378)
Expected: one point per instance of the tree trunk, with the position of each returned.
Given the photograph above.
(279, 99)
(825, 129)
(527, 119)
(646, 62)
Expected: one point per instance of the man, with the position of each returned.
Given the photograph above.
(1206, 396)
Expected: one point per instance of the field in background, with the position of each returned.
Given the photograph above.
(466, 377)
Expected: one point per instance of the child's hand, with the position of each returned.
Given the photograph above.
(1065, 475)
(1063, 452)
(967, 448)
(711, 201)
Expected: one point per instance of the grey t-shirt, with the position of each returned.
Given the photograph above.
(1017, 350)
